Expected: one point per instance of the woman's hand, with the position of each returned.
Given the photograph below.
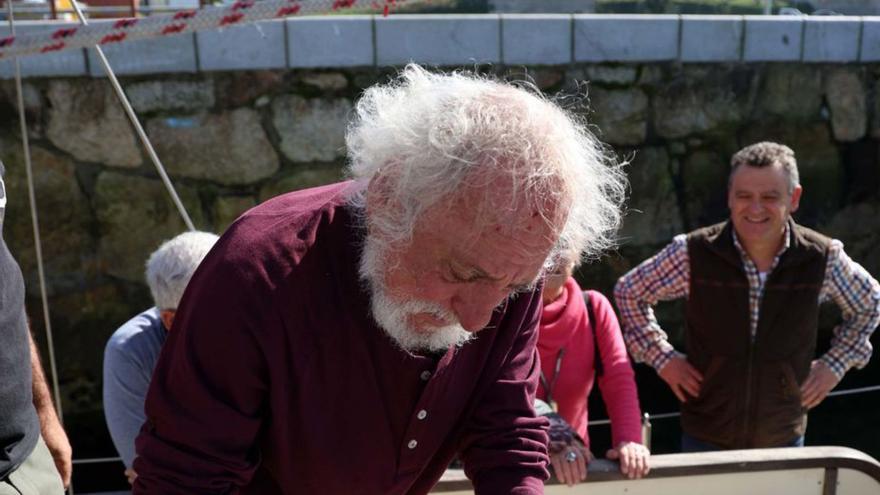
(570, 464)
(634, 459)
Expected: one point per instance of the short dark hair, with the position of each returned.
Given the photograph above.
(766, 154)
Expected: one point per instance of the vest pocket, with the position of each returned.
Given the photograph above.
(714, 415)
(780, 416)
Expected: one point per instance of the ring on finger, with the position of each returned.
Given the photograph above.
(571, 456)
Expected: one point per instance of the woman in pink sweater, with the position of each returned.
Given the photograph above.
(568, 368)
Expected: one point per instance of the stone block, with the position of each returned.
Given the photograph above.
(612, 74)
(65, 63)
(438, 39)
(625, 38)
(772, 38)
(870, 49)
(652, 215)
(711, 38)
(87, 121)
(135, 214)
(704, 100)
(151, 56)
(259, 45)
(846, 98)
(313, 129)
(228, 208)
(302, 178)
(831, 39)
(536, 39)
(331, 41)
(791, 92)
(150, 96)
(704, 175)
(620, 114)
(65, 218)
(229, 148)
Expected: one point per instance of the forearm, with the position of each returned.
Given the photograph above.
(646, 341)
(42, 396)
(662, 277)
(857, 294)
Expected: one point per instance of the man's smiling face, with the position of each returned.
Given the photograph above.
(760, 203)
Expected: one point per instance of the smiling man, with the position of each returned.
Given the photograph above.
(352, 339)
(753, 287)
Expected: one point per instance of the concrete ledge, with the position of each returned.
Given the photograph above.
(438, 39)
(725, 33)
(870, 50)
(66, 63)
(152, 56)
(536, 39)
(261, 45)
(625, 38)
(333, 41)
(526, 39)
(831, 39)
(773, 38)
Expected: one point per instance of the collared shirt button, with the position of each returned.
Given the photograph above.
(426, 375)
(412, 444)
(422, 414)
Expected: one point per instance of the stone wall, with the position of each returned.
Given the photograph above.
(231, 140)
(676, 96)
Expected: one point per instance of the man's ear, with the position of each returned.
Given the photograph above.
(167, 316)
(796, 198)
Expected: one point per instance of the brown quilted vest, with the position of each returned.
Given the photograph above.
(750, 396)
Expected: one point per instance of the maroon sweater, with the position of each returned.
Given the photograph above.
(275, 379)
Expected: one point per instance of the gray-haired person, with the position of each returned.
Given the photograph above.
(353, 338)
(35, 455)
(132, 350)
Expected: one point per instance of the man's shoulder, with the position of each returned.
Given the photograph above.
(811, 239)
(283, 227)
(705, 234)
(142, 332)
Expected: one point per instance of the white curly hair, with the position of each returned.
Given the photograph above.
(435, 134)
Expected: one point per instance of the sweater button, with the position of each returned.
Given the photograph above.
(426, 375)
(422, 414)
(412, 444)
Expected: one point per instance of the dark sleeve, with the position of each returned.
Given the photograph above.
(205, 403)
(504, 447)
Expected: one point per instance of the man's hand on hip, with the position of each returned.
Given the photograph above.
(819, 382)
(681, 377)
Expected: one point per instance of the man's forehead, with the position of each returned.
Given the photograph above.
(768, 178)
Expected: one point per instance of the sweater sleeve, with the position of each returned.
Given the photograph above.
(617, 384)
(204, 405)
(504, 447)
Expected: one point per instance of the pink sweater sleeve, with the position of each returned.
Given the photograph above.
(617, 384)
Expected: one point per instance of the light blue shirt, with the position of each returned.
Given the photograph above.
(129, 359)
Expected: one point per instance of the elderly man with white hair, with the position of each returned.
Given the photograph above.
(132, 350)
(353, 338)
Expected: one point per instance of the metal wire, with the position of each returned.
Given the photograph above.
(35, 222)
(145, 141)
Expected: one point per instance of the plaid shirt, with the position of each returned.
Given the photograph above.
(666, 276)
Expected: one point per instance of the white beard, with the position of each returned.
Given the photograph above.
(393, 314)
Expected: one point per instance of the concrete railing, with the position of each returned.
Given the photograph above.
(536, 39)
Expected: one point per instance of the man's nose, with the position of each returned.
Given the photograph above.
(474, 308)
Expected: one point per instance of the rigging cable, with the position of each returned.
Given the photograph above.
(35, 222)
(145, 141)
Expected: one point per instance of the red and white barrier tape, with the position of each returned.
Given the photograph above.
(187, 21)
